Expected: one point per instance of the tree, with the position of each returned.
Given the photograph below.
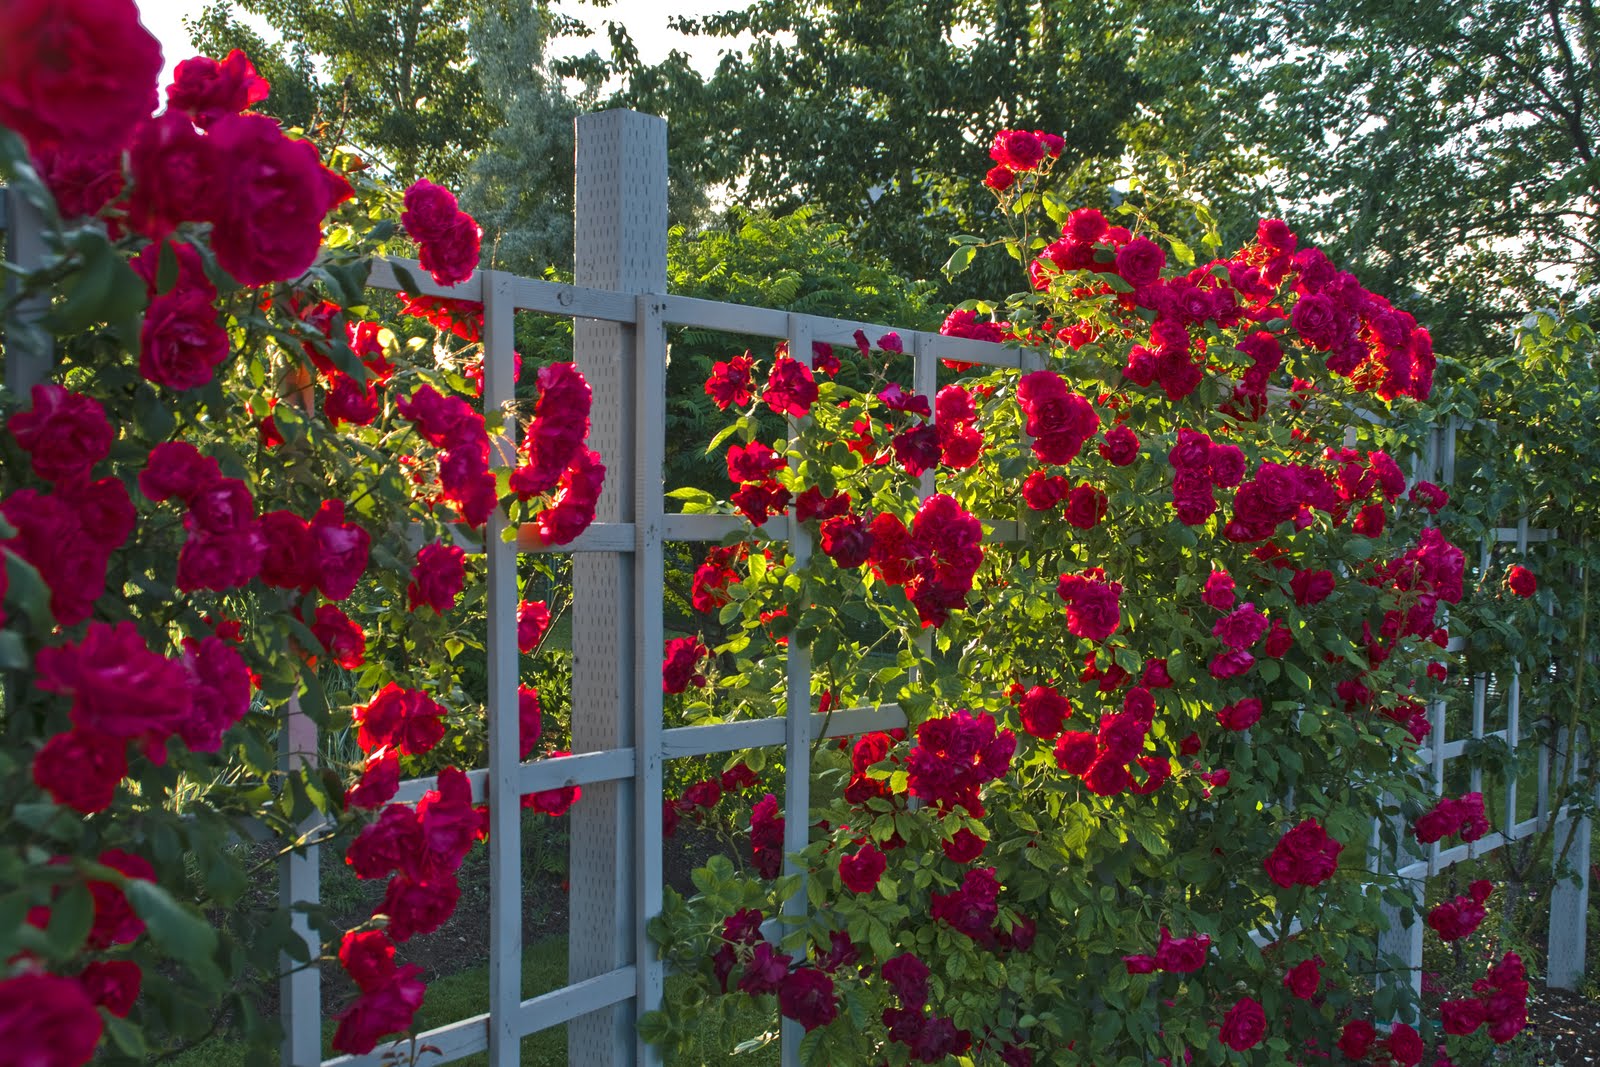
(392, 77)
(519, 186)
(1445, 150)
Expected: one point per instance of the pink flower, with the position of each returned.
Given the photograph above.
(533, 619)
(1242, 628)
(1182, 955)
(181, 342)
(407, 720)
(1139, 262)
(342, 638)
(447, 237)
(387, 1007)
(81, 769)
(1093, 604)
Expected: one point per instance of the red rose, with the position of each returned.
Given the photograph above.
(1041, 491)
(76, 72)
(220, 686)
(380, 781)
(1356, 1039)
(1241, 715)
(1120, 447)
(82, 179)
(406, 719)
(1042, 710)
(181, 343)
(963, 847)
(790, 388)
(806, 996)
(114, 920)
(1076, 751)
(450, 824)
(269, 226)
(177, 469)
(847, 540)
(1086, 506)
(1182, 955)
(1241, 628)
(113, 985)
(419, 906)
(47, 1020)
(81, 769)
(730, 383)
(1244, 1026)
(533, 619)
(338, 551)
(679, 664)
(1405, 1045)
(860, 872)
(174, 175)
(367, 956)
(340, 637)
(1461, 1017)
(1093, 606)
(1520, 580)
(1017, 150)
(207, 90)
(1303, 978)
(393, 843)
(1306, 855)
(64, 433)
(1139, 262)
(221, 561)
(384, 1009)
(119, 687)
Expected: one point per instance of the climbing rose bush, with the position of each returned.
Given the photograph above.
(1159, 608)
(227, 478)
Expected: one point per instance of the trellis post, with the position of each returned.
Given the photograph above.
(29, 349)
(620, 243)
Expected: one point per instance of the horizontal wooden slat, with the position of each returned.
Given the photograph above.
(455, 1041)
(718, 737)
(569, 1002)
(599, 537)
(574, 301)
(1509, 533)
(719, 528)
(383, 276)
(556, 772)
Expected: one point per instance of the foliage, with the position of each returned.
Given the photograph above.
(1009, 850)
(386, 77)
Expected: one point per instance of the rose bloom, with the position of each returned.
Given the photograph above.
(1520, 580)
(1244, 1026)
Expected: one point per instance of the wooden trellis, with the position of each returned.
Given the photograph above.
(621, 313)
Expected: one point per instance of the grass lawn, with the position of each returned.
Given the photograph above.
(465, 994)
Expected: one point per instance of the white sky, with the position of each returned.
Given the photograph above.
(646, 21)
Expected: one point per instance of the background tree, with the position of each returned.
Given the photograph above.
(393, 78)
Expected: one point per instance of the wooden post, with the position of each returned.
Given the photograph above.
(300, 988)
(1569, 902)
(620, 238)
(29, 350)
(504, 723)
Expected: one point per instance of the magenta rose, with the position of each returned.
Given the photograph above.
(64, 433)
(181, 342)
(76, 72)
(207, 89)
(1244, 1026)
(1139, 262)
(269, 226)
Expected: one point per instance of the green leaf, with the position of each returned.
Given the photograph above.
(71, 917)
(176, 930)
(959, 260)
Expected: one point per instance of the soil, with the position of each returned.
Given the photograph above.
(1569, 1023)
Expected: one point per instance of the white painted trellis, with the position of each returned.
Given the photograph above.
(1569, 902)
(621, 313)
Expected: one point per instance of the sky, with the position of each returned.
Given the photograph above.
(646, 21)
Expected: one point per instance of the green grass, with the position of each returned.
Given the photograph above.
(465, 994)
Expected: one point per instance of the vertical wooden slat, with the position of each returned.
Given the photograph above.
(505, 804)
(648, 611)
(29, 350)
(300, 988)
(620, 244)
(797, 720)
(1569, 902)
